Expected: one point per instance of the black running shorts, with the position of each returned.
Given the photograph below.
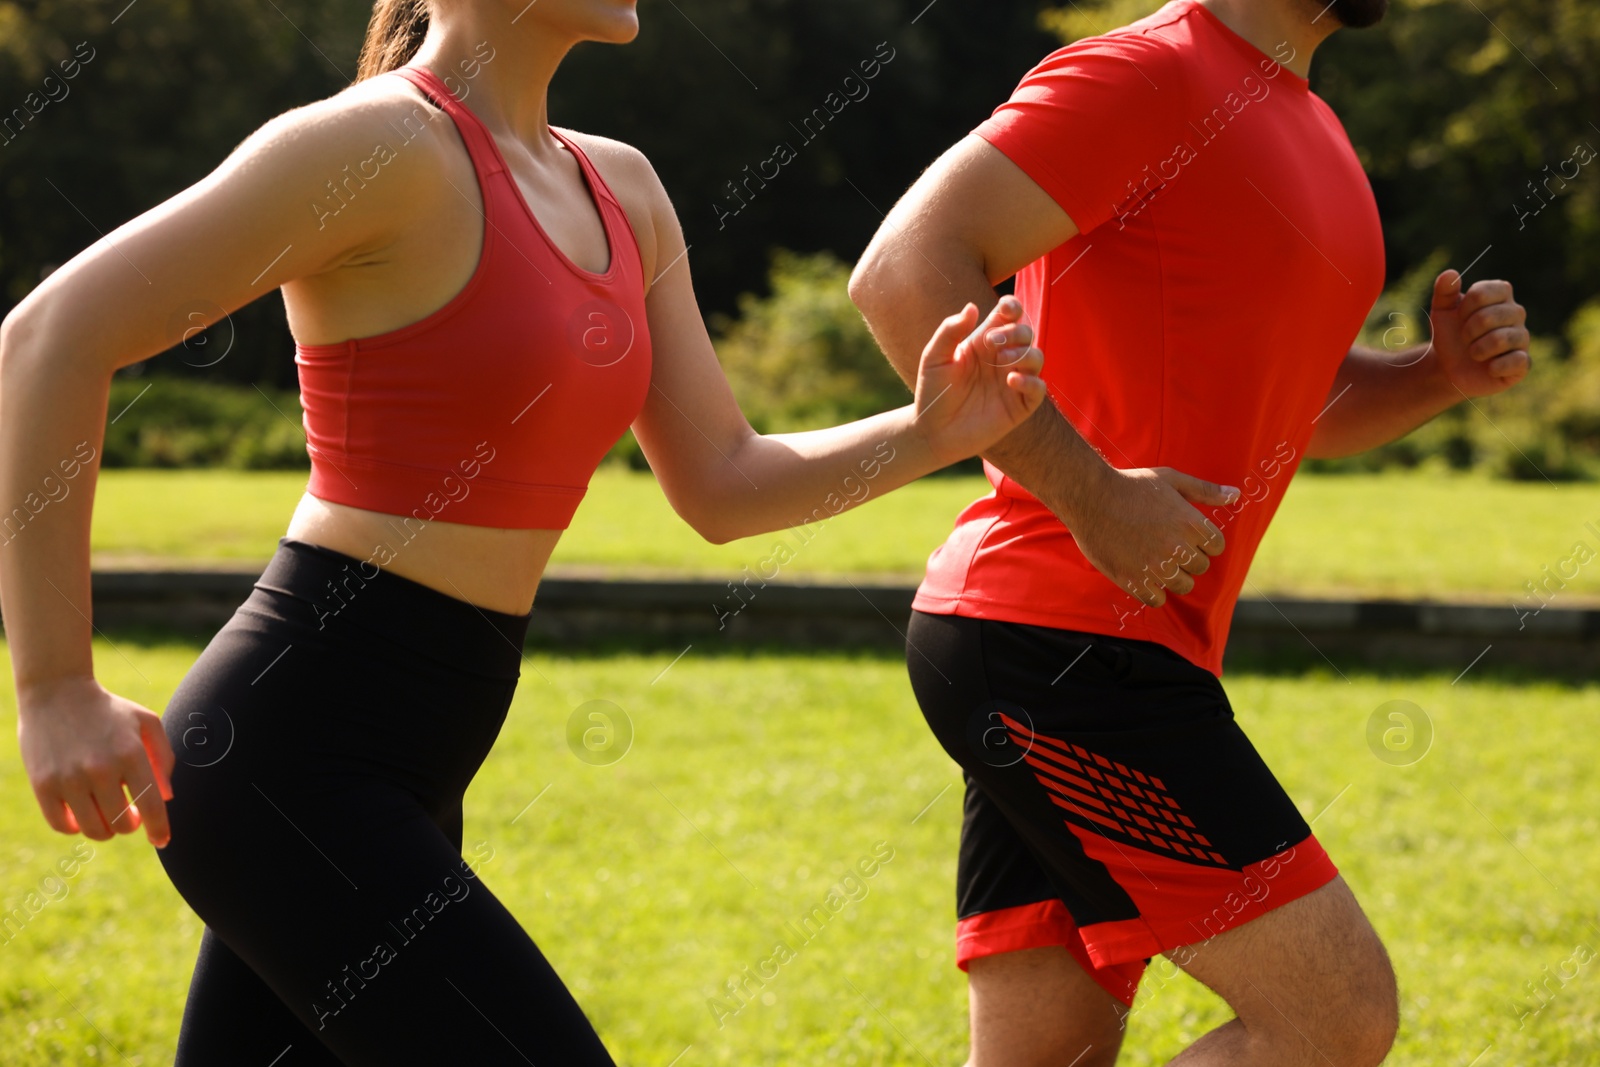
(1113, 805)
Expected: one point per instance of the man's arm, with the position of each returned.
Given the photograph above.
(920, 263)
(1479, 347)
(972, 220)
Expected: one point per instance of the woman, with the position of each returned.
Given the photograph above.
(481, 304)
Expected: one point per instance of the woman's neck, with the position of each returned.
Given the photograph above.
(500, 66)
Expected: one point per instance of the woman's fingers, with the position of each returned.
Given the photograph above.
(944, 345)
(1003, 334)
(57, 812)
(1026, 360)
(105, 789)
(87, 814)
(990, 340)
(1017, 335)
(149, 805)
(1031, 386)
(159, 751)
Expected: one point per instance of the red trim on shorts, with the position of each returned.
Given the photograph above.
(1182, 903)
(1179, 904)
(1036, 926)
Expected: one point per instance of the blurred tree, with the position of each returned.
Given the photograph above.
(709, 88)
(802, 357)
(203, 424)
(169, 88)
(1467, 114)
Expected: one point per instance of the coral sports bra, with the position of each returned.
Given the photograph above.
(495, 409)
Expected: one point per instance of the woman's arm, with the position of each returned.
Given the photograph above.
(244, 230)
(727, 481)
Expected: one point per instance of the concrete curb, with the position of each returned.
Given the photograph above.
(1343, 633)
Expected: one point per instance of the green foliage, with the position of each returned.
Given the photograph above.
(1464, 112)
(1094, 17)
(1547, 428)
(800, 357)
(175, 422)
(627, 453)
(803, 357)
(172, 86)
(176, 84)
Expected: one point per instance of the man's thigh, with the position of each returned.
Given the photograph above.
(1123, 786)
(1038, 1007)
(1312, 972)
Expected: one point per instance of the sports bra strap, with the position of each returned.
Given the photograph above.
(479, 142)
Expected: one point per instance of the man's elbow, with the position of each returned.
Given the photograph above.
(860, 287)
(872, 283)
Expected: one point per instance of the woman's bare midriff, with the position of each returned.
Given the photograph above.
(493, 568)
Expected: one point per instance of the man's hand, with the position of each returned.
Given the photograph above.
(1140, 529)
(1481, 336)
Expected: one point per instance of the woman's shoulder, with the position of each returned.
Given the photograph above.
(626, 170)
(632, 180)
(382, 116)
(379, 109)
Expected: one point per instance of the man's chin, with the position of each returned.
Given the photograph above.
(1359, 14)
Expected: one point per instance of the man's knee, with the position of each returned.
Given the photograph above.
(1351, 1022)
(1310, 981)
(1366, 1028)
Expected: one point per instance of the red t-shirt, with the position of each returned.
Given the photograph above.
(1229, 252)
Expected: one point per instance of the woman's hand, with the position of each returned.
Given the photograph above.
(82, 747)
(976, 386)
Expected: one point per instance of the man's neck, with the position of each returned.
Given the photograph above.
(1269, 24)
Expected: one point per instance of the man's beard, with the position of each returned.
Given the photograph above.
(1358, 14)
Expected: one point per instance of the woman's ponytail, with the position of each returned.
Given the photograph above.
(393, 36)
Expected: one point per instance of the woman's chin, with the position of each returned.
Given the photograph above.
(606, 21)
(619, 30)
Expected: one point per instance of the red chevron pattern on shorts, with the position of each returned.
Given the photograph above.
(1111, 795)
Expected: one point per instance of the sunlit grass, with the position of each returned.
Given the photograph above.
(1390, 535)
(755, 781)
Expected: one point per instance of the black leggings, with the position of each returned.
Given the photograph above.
(324, 739)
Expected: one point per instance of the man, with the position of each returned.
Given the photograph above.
(1195, 247)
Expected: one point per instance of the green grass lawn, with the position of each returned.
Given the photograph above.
(756, 780)
(1390, 535)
